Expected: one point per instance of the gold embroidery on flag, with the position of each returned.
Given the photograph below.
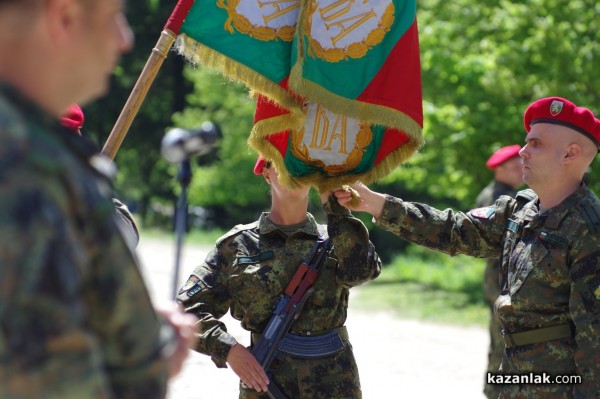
(269, 10)
(336, 20)
(332, 142)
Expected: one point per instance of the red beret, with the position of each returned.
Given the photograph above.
(503, 155)
(260, 164)
(563, 112)
(73, 118)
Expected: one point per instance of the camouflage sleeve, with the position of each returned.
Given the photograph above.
(584, 307)
(357, 260)
(205, 295)
(76, 319)
(474, 233)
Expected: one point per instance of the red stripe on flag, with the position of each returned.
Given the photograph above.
(266, 109)
(392, 140)
(280, 141)
(398, 83)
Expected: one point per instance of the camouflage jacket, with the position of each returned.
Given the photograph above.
(76, 320)
(551, 264)
(250, 267)
(487, 197)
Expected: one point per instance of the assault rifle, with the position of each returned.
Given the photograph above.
(287, 309)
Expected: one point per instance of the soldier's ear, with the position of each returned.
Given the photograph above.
(62, 17)
(573, 152)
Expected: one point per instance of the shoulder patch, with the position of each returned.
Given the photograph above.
(236, 230)
(597, 293)
(526, 195)
(191, 287)
(483, 213)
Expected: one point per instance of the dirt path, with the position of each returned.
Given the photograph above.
(396, 358)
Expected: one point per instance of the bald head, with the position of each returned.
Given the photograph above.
(579, 150)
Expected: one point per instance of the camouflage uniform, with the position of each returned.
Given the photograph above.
(491, 289)
(551, 269)
(76, 320)
(248, 270)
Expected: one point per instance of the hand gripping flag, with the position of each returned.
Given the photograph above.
(338, 82)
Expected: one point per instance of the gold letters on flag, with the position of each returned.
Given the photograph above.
(342, 80)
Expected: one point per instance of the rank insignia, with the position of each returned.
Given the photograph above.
(483, 213)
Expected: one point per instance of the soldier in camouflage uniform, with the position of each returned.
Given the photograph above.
(506, 165)
(248, 270)
(76, 320)
(549, 240)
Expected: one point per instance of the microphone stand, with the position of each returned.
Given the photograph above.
(184, 177)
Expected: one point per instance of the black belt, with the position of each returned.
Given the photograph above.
(536, 336)
(312, 345)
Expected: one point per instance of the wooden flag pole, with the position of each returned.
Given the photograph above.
(146, 78)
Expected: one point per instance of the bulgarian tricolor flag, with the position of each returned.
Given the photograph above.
(338, 82)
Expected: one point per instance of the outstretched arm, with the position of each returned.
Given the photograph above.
(370, 201)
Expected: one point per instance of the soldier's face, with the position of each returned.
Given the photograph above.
(542, 155)
(103, 35)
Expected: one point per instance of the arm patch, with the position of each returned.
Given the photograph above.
(483, 213)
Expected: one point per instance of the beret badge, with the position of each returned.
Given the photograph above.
(556, 107)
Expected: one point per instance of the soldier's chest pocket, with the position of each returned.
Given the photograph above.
(253, 276)
(526, 257)
(326, 287)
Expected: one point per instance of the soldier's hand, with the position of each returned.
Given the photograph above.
(368, 201)
(184, 326)
(244, 364)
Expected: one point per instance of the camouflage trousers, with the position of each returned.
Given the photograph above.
(325, 378)
(491, 291)
(551, 357)
(495, 353)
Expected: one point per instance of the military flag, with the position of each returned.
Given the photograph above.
(337, 82)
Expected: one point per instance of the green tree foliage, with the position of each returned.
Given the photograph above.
(483, 62)
(228, 185)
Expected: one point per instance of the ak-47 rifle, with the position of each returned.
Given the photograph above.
(287, 309)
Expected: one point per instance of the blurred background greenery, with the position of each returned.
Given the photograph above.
(482, 63)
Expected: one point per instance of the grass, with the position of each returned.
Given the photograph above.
(426, 285)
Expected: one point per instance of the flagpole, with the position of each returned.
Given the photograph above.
(146, 78)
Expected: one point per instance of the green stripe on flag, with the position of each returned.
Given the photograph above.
(349, 77)
(206, 23)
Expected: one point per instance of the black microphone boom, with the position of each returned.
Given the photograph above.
(181, 144)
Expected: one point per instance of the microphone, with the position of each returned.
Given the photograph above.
(181, 144)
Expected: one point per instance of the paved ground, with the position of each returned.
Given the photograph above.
(396, 358)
